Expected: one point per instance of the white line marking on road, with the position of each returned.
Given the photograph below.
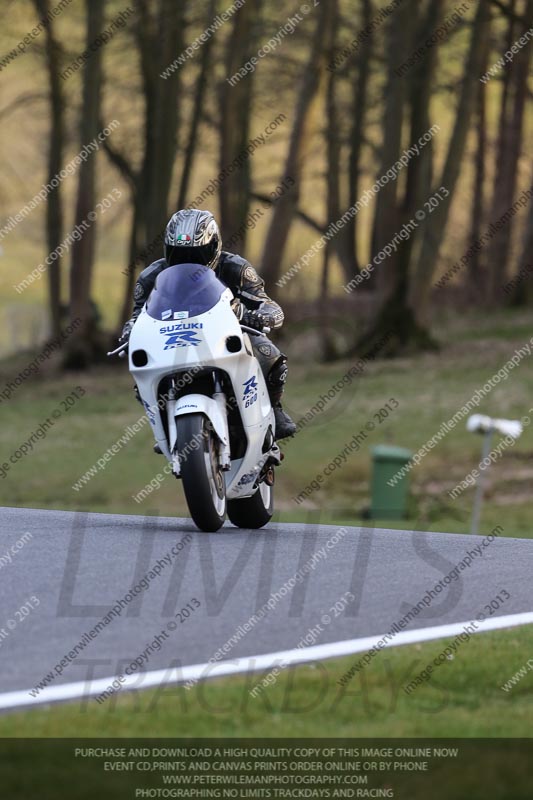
(267, 661)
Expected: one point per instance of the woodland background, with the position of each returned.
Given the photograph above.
(344, 127)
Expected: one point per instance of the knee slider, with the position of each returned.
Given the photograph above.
(277, 377)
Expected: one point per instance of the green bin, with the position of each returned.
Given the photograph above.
(389, 502)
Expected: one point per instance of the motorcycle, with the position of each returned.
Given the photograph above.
(205, 397)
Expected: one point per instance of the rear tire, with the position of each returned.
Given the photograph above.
(255, 511)
(203, 480)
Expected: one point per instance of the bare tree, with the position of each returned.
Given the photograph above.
(159, 36)
(285, 209)
(476, 283)
(235, 113)
(359, 75)
(199, 100)
(435, 226)
(395, 316)
(522, 293)
(399, 44)
(331, 133)
(81, 345)
(511, 136)
(56, 143)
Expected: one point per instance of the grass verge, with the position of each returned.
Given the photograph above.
(463, 698)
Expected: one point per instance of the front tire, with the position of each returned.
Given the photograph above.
(203, 480)
(255, 511)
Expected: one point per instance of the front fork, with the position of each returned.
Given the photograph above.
(220, 399)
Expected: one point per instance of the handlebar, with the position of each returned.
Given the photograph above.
(120, 351)
(254, 331)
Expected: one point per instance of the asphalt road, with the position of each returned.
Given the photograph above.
(75, 567)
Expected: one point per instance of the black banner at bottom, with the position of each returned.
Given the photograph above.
(291, 769)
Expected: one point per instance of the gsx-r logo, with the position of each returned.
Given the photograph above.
(250, 386)
(250, 392)
(181, 339)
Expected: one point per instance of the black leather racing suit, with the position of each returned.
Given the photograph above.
(246, 285)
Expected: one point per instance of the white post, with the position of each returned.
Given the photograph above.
(480, 485)
(478, 423)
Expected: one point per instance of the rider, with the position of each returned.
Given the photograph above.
(192, 237)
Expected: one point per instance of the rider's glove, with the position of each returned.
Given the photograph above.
(256, 319)
(126, 330)
(238, 308)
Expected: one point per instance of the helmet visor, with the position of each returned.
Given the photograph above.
(202, 254)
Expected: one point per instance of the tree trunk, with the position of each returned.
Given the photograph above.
(348, 236)
(399, 43)
(521, 293)
(285, 207)
(199, 99)
(512, 120)
(396, 315)
(476, 282)
(56, 142)
(81, 347)
(435, 225)
(126, 308)
(160, 37)
(235, 113)
(333, 189)
(125, 168)
(505, 79)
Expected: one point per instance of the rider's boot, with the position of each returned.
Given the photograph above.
(285, 427)
(276, 380)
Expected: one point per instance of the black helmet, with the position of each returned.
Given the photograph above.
(192, 237)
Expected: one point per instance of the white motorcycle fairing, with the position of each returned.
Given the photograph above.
(186, 346)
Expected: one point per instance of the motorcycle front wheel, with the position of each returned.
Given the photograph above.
(255, 511)
(203, 480)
